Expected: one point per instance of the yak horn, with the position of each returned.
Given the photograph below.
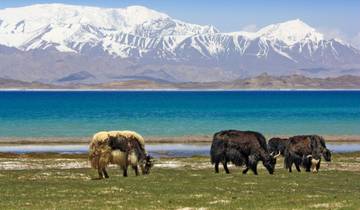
(277, 155)
(309, 156)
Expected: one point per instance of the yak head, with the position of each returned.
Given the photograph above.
(324, 151)
(148, 164)
(270, 162)
(326, 154)
(314, 162)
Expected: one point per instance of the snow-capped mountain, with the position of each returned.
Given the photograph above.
(53, 42)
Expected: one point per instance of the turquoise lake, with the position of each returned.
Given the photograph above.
(178, 113)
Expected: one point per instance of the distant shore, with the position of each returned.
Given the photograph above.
(177, 139)
(260, 82)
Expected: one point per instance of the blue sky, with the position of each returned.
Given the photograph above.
(333, 17)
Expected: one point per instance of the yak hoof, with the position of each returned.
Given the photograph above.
(245, 171)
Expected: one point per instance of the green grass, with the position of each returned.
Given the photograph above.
(187, 186)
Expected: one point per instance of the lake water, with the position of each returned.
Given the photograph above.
(156, 150)
(178, 113)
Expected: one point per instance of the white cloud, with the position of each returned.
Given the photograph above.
(333, 33)
(250, 28)
(355, 41)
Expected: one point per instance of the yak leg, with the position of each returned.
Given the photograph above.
(253, 163)
(100, 174)
(297, 165)
(225, 167)
(318, 166)
(308, 166)
(247, 167)
(306, 163)
(105, 173)
(142, 168)
(288, 163)
(136, 170)
(217, 167)
(254, 169)
(124, 171)
(245, 170)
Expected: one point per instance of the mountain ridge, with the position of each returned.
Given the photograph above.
(261, 82)
(112, 42)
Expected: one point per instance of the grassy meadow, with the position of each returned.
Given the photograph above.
(177, 183)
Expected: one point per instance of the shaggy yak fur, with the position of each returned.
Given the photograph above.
(276, 145)
(241, 148)
(306, 151)
(100, 152)
(118, 147)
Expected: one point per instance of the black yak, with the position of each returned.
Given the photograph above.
(241, 148)
(306, 151)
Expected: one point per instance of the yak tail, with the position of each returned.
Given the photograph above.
(94, 161)
(214, 157)
(99, 157)
(100, 161)
(93, 157)
(217, 150)
(213, 153)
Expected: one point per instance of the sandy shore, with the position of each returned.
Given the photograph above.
(179, 139)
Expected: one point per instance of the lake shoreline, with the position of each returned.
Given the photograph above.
(158, 140)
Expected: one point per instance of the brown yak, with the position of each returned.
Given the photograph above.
(306, 150)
